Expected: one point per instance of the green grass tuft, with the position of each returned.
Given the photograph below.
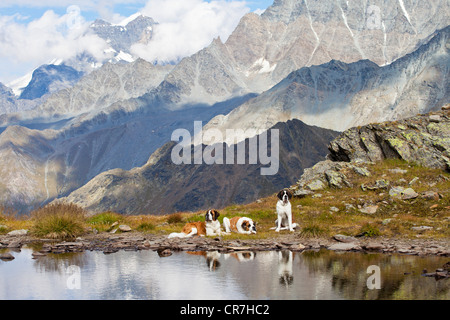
(58, 221)
(105, 218)
(312, 231)
(175, 218)
(369, 230)
(145, 226)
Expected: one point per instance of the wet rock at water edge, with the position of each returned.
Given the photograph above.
(38, 254)
(345, 239)
(440, 273)
(110, 250)
(374, 246)
(16, 244)
(342, 246)
(6, 256)
(297, 247)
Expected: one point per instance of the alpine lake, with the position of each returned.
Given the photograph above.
(205, 275)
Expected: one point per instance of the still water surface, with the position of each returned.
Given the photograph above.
(199, 275)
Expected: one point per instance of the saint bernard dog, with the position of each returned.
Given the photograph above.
(209, 227)
(284, 212)
(240, 225)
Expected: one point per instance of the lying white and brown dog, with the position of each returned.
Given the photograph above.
(209, 227)
(240, 225)
(284, 212)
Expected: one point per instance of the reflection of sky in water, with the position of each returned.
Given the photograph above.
(261, 275)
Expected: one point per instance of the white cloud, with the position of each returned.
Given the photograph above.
(187, 26)
(44, 39)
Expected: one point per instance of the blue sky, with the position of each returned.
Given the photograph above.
(33, 32)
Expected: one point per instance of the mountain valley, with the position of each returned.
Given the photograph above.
(311, 69)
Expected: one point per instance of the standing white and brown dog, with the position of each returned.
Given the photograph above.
(209, 227)
(284, 212)
(240, 225)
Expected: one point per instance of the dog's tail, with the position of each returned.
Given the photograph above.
(177, 235)
(182, 234)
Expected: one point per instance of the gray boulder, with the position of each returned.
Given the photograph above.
(420, 139)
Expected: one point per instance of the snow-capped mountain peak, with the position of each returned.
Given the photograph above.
(126, 21)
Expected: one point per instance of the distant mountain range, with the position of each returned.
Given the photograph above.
(50, 78)
(120, 37)
(291, 34)
(161, 187)
(338, 95)
(333, 64)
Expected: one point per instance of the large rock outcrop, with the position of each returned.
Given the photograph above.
(423, 139)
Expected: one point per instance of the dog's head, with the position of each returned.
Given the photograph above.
(284, 195)
(249, 225)
(212, 215)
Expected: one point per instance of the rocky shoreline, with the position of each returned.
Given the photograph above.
(134, 241)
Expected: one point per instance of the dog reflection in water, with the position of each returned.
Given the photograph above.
(285, 262)
(211, 257)
(241, 256)
(285, 266)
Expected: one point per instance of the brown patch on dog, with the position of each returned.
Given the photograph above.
(200, 225)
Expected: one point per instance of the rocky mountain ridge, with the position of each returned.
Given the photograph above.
(161, 186)
(338, 95)
(289, 35)
(120, 37)
(423, 139)
(10, 104)
(48, 79)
